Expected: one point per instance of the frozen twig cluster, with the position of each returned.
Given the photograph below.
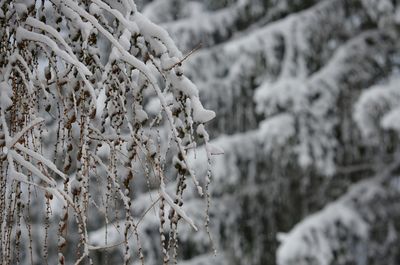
(75, 135)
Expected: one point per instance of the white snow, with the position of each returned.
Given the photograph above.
(391, 120)
(5, 95)
(372, 109)
(276, 131)
(317, 236)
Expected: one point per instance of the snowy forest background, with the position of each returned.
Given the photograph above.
(306, 96)
(307, 101)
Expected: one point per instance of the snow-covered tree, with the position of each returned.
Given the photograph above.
(307, 98)
(79, 149)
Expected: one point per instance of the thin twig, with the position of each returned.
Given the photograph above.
(184, 58)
